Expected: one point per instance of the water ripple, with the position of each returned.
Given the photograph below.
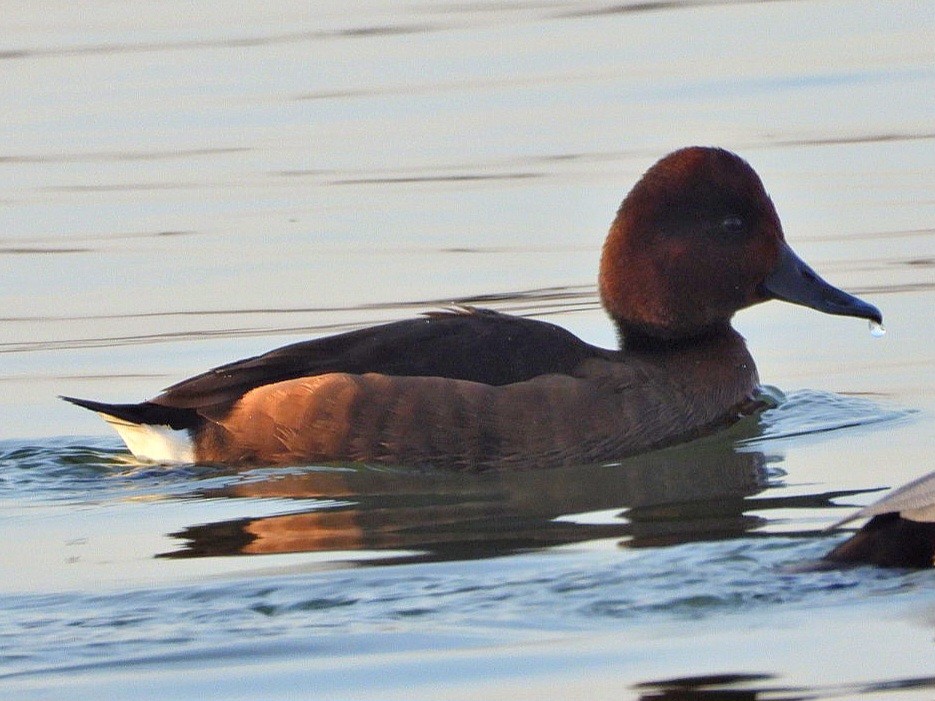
(685, 583)
(808, 412)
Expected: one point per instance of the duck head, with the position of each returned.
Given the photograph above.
(695, 240)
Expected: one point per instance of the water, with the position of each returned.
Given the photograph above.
(183, 186)
(364, 563)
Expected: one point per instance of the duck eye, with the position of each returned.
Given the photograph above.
(732, 225)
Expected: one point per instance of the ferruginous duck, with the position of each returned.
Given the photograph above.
(695, 240)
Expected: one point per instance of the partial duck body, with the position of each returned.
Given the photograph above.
(900, 532)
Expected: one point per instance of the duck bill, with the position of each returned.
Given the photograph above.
(793, 281)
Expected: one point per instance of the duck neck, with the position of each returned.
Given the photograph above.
(640, 338)
(713, 368)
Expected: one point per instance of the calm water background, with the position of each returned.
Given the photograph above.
(182, 185)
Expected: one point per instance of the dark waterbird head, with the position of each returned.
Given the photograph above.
(695, 240)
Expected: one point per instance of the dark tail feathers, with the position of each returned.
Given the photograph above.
(143, 413)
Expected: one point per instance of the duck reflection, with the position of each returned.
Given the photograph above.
(699, 491)
(751, 687)
(717, 687)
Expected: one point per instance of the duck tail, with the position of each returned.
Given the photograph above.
(142, 413)
(152, 432)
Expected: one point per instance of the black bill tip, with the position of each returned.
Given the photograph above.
(794, 281)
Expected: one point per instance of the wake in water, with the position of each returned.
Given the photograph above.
(807, 412)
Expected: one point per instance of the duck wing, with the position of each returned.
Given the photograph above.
(473, 344)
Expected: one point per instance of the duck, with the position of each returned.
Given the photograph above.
(900, 532)
(695, 240)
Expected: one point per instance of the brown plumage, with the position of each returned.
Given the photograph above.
(889, 540)
(602, 408)
(900, 532)
(696, 240)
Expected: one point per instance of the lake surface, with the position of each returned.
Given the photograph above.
(184, 185)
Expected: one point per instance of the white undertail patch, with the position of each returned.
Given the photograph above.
(154, 443)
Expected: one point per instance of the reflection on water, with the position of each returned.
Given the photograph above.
(721, 487)
(760, 687)
(720, 687)
(673, 495)
(697, 492)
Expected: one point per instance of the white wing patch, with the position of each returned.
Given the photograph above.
(154, 443)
